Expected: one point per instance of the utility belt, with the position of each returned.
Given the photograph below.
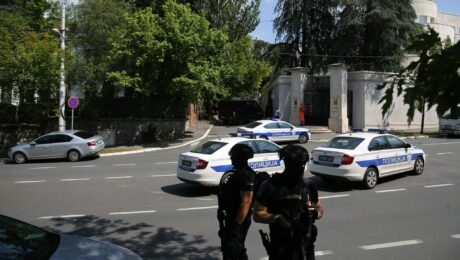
(279, 246)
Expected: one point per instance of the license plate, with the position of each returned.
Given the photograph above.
(186, 163)
(325, 158)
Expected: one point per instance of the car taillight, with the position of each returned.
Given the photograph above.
(347, 159)
(91, 143)
(201, 164)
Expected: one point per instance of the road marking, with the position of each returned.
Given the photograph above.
(439, 185)
(324, 252)
(124, 164)
(29, 181)
(444, 153)
(83, 166)
(456, 236)
(63, 216)
(42, 168)
(204, 199)
(132, 212)
(81, 179)
(442, 143)
(392, 244)
(118, 177)
(197, 208)
(334, 196)
(166, 163)
(394, 190)
(164, 175)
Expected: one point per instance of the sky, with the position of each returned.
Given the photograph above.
(265, 29)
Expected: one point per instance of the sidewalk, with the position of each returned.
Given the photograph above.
(192, 135)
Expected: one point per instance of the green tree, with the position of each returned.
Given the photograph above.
(432, 80)
(374, 33)
(29, 62)
(306, 27)
(173, 55)
(94, 26)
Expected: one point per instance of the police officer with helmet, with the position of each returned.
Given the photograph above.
(235, 203)
(289, 204)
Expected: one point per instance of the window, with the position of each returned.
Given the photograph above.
(208, 148)
(253, 125)
(83, 134)
(251, 144)
(423, 19)
(395, 142)
(347, 143)
(61, 138)
(272, 126)
(284, 125)
(266, 147)
(47, 139)
(378, 143)
(19, 240)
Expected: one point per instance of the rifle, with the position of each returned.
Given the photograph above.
(265, 241)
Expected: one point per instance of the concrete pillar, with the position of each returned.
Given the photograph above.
(298, 82)
(338, 120)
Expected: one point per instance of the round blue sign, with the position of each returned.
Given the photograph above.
(72, 102)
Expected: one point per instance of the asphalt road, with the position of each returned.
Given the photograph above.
(137, 201)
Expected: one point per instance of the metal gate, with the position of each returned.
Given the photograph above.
(317, 98)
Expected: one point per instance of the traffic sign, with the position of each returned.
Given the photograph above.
(72, 102)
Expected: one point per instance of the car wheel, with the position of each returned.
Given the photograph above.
(419, 166)
(303, 138)
(73, 155)
(19, 158)
(370, 178)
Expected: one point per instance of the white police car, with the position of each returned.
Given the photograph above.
(366, 157)
(206, 163)
(275, 131)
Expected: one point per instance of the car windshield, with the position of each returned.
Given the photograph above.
(19, 240)
(208, 148)
(253, 125)
(347, 143)
(83, 134)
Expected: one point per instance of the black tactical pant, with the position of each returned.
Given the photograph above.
(282, 249)
(233, 239)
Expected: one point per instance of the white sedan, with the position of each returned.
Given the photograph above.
(206, 163)
(366, 157)
(275, 131)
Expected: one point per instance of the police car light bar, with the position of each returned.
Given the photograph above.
(355, 130)
(378, 130)
(248, 135)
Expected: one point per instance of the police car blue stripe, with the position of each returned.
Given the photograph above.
(415, 155)
(383, 161)
(253, 165)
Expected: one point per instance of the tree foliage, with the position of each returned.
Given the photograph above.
(29, 56)
(433, 79)
(364, 34)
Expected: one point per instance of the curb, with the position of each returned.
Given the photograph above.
(158, 148)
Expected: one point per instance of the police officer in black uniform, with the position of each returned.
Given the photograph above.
(289, 204)
(235, 203)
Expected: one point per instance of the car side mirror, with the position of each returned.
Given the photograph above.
(33, 143)
(407, 145)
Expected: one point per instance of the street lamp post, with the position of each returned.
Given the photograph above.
(62, 89)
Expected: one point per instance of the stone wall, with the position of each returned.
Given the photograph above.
(114, 132)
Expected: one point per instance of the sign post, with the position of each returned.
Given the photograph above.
(72, 103)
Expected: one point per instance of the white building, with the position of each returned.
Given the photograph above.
(447, 25)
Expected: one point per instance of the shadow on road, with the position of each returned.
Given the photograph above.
(189, 190)
(144, 239)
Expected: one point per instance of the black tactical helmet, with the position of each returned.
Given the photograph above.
(242, 151)
(294, 154)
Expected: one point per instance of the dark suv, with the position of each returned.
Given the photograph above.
(239, 111)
